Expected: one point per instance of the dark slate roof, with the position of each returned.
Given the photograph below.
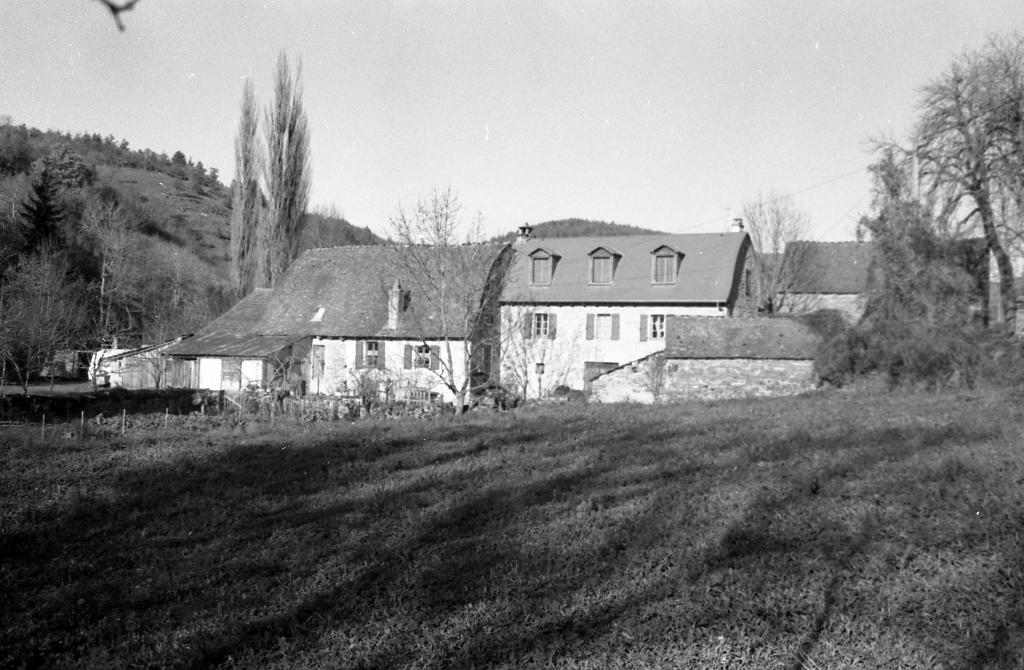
(725, 337)
(707, 273)
(351, 285)
(829, 267)
(243, 317)
(232, 333)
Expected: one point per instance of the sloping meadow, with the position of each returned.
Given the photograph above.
(836, 530)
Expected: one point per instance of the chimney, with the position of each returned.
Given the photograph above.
(524, 233)
(394, 305)
(737, 225)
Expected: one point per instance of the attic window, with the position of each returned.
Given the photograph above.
(602, 265)
(319, 316)
(665, 265)
(542, 266)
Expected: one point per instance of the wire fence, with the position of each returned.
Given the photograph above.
(208, 410)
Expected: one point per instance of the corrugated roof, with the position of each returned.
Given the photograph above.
(829, 267)
(245, 345)
(722, 337)
(707, 272)
(227, 332)
(351, 285)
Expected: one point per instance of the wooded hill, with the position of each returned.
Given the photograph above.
(99, 240)
(579, 228)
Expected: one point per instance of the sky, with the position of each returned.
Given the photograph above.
(665, 115)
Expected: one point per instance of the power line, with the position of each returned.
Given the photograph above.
(721, 217)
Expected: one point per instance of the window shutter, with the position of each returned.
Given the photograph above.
(408, 357)
(380, 355)
(551, 326)
(435, 357)
(643, 327)
(615, 326)
(359, 353)
(590, 326)
(528, 326)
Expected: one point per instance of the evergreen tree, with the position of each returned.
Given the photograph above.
(41, 214)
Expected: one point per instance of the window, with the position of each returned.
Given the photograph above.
(540, 270)
(601, 269)
(422, 359)
(603, 326)
(657, 326)
(541, 323)
(665, 269)
(371, 354)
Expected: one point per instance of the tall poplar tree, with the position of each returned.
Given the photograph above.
(286, 172)
(245, 196)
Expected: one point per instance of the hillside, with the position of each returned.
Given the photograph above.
(199, 218)
(579, 228)
(147, 235)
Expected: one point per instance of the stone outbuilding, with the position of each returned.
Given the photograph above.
(710, 358)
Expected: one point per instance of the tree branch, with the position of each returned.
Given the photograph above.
(116, 9)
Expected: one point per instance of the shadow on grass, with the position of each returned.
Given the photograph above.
(382, 548)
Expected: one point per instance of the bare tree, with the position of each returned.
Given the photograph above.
(455, 282)
(44, 310)
(287, 172)
(970, 145)
(774, 221)
(654, 376)
(524, 349)
(112, 232)
(246, 198)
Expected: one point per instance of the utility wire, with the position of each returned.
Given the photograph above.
(720, 217)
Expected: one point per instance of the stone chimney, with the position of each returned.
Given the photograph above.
(524, 233)
(394, 305)
(737, 225)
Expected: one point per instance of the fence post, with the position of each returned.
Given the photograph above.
(81, 426)
(42, 432)
(124, 419)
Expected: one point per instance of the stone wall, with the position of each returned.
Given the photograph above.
(705, 379)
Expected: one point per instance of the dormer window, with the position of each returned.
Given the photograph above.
(542, 266)
(665, 265)
(602, 265)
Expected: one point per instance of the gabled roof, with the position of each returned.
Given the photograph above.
(723, 337)
(829, 267)
(708, 271)
(351, 285)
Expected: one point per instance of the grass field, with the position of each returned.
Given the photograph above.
(840, 530)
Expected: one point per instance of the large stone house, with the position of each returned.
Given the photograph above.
(575, 307)
(416, 320)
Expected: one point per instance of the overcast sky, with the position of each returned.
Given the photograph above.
(667, 115)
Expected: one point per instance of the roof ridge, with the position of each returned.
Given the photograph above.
(834, 242)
